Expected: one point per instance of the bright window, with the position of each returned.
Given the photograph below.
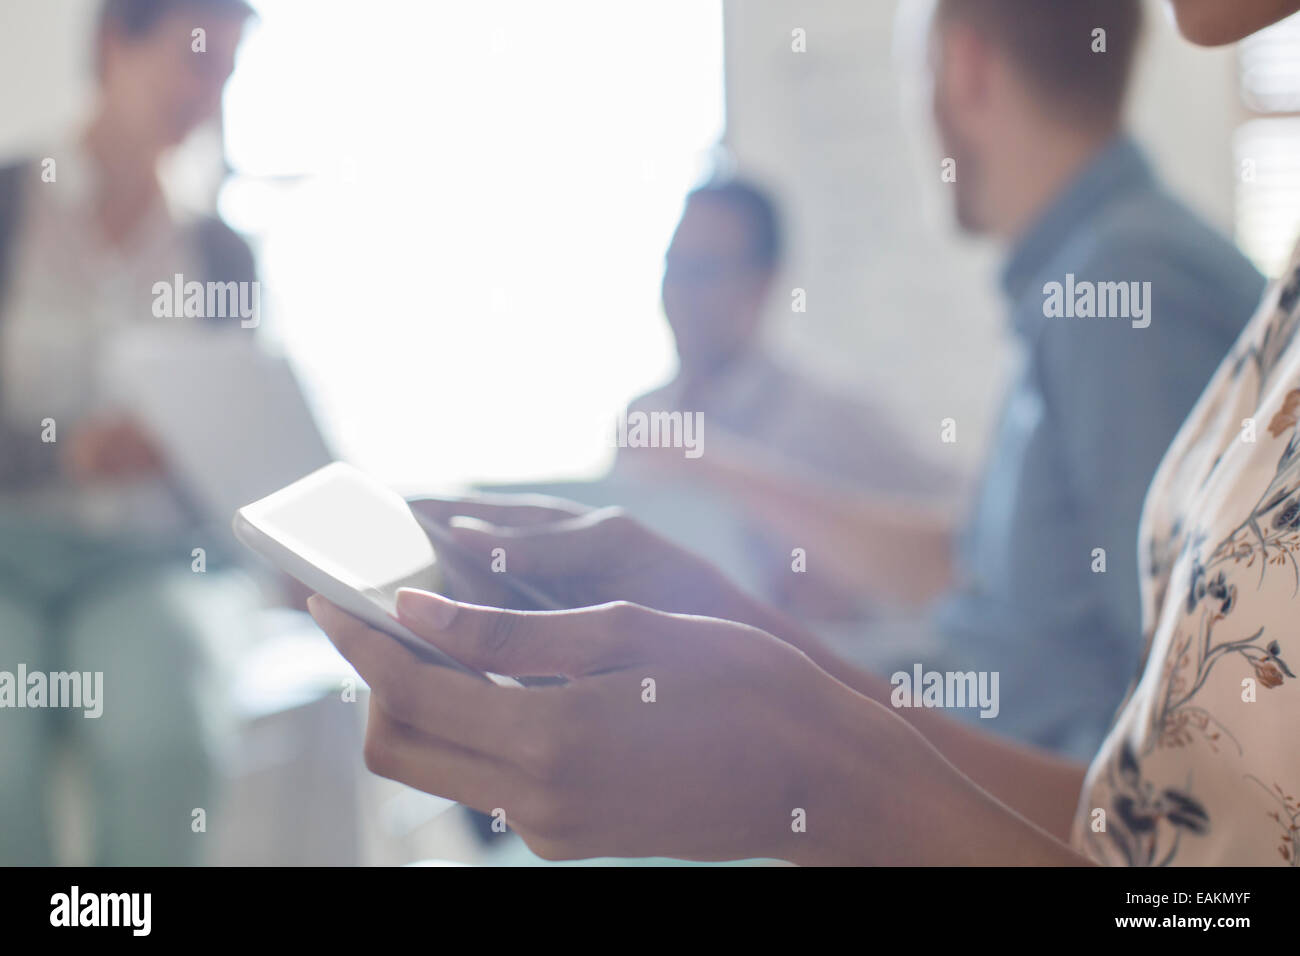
(462, 210)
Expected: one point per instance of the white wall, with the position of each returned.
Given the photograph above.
(43, 69)
(1185, 110)
(896, 305)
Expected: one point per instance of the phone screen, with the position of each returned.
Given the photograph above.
(354, 529)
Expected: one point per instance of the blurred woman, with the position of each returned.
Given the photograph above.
(95, 572)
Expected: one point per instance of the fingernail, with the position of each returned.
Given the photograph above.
(469, 523)
(469, 530)
(425, 609)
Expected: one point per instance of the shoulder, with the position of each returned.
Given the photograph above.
(11, 191)
(1157, 235)
(227, 257)
(657, 399)
(1199, 291)
(11, 172)
(11, 179)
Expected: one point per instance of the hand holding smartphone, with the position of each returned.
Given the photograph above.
(356, 542)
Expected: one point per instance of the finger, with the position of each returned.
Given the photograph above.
(95, 445)
(147, 451)
(573, 545)
(529, 643)
(131, 453)
(117, 457)
(475, 576)
(445, 769)
(465, 578)
(439, 701)
(509, 510)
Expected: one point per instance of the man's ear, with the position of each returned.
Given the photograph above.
(102, 43)
(966, 68)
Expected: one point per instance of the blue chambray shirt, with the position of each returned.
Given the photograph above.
(1092, 407)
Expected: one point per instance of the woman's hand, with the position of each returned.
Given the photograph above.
(675, 736)
(580, 556)
(112, 449)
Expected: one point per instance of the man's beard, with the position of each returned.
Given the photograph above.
(965, 206)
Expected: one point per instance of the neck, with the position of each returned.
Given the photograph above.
(127, 175)
(1033, 170)
(702, 377)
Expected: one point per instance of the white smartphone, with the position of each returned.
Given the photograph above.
(353, 540)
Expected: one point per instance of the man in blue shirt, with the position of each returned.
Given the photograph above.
(1045, 586)
(1122, 302)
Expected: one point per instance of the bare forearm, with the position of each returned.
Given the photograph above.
(899, 801)
(1039, 785)
(1042, 787)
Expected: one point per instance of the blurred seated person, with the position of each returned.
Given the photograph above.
(95, 561)
(719, 274)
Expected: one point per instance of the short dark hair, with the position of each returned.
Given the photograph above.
(755, 204)
(137, 18)
(1051, 42)
(134, 19)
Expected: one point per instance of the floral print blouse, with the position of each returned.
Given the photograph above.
(1202, 764)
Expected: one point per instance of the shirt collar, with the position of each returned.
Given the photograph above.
(77, 175)
(73, 200)
(1119, 168)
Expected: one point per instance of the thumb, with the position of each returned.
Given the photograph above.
(561, 548)
(529, 643)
